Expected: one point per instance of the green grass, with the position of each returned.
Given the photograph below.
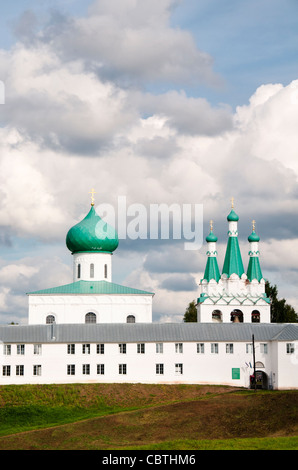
(272, 443)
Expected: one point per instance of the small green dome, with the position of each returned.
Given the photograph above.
(253, 237)
(92, 234)
(211, 237)
(233, 217)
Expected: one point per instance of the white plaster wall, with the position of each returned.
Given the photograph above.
(204, 368)
(205, 311)
(73, 308)
(99, 260)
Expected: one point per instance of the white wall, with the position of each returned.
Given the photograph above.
(204, 368)
(73, 308)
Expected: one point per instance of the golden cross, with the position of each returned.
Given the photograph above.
(92, 192)
(232, 202)
(211, 225)
(253, 225)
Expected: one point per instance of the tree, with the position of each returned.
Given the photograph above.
(281, 312)
(190, 313)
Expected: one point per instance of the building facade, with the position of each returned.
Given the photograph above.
(92, 330)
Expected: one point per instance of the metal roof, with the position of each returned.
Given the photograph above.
(91, 287)
(147, 332)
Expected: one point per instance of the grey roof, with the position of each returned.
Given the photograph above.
(147, 332)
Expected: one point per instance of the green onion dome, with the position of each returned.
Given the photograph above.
(233, 217)
(211, 237)
(92, 234)
(253, 237)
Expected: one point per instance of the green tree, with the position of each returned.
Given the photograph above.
(281, 312)
(190, 313)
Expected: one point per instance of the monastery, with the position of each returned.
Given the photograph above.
(93, 330)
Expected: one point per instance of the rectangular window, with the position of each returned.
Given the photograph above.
(290, 348)
(179, 347)
(19, 370)
(214, 348)
(86, 348)
(21, 349)
(37, 370)
(229, 348)
(159, 369)
(100, 348)
(264, 348)
(71, 369)
(159, 348)
(86, 369)
(122, 348)
(7, 349)
(200, 348)
(249, 348)
(141, 348)
(6, 371)
(100, 369)
(37, 349)
(122, 369)
(71, 348)
(178, 369)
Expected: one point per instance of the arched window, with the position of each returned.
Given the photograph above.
(130, 319)
(50, 319)
(237, 316)
(91, 270)
(90, 317)
(217, 316)
(255, 316)
(106, 271)
(79, 271)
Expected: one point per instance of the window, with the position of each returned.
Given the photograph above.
(79, 271)
(159, 348)
(71, 349)
(19, 370)
(50, 319)
(86, 348)
(229, 348)
(214, 348)
(159, 369)
(249, 348)
(37, 349)
(21, 349)
(217, 316)
(7, 349)
(100, 369)
(130, 319)
(86, 369)
(6, 371)
(106, 271)
(71, 369)
(255, 316)
(141, 348)
(91, 270)
(179, 347)
(122, 348)
(37, 370)
(200, 348)
(100, 348)
(290, 348)
(178, 369)
(264, 348)
(90, 317)
(122, 369)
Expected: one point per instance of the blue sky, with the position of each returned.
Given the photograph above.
(188, 102)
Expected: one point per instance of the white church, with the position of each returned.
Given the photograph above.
(93, 330)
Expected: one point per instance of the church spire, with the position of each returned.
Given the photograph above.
(211, 270)
(233, 261)
(254, 269)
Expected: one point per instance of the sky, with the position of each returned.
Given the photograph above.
(174, 102)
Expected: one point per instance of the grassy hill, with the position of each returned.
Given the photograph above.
(136, 416)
